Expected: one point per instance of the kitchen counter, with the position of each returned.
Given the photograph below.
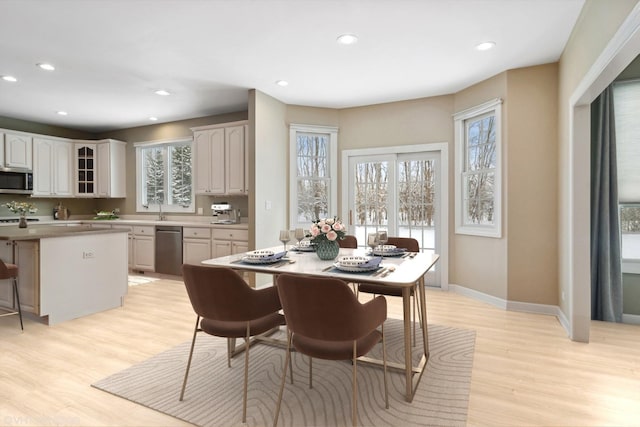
(36, 232)
(125, 221)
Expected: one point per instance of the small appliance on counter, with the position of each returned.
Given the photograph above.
(60, 212)
(224, 213)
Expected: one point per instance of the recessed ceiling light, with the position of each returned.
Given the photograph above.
(347, 39)
(282, 83)
(485, 45)
(162, 92)
(62, 113)
(153, 119)
(46, 66)
(9, 79)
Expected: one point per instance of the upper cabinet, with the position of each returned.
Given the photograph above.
(220, 159)
(17, 150)
(52, 168)
(85, 167)
(111, 180)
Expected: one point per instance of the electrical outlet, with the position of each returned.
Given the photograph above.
(562, 295)
(200, 211)
(87, 255)
(267, 205)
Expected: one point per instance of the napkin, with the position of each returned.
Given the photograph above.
(372, 262)
(274, 257)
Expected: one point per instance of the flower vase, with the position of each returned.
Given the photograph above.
(23, 221)
(327, 250)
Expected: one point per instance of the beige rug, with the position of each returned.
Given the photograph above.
(214, 391)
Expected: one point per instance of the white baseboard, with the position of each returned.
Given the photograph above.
(632, 319)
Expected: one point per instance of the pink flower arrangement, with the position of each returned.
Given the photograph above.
(328, 229)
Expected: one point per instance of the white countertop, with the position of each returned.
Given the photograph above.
(187, 222)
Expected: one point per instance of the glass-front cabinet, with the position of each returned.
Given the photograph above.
(86, 170)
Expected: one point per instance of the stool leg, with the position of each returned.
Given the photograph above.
(17, 295)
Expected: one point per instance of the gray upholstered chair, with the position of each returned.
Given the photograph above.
(10, 271)
(326, 320)
(226, 306)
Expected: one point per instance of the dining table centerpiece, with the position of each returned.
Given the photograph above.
(22, 209)
(325, 234)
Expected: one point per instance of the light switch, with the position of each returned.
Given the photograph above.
(267, 205)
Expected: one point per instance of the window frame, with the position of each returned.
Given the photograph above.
(493, 107)
(139, 146)
(332, 178)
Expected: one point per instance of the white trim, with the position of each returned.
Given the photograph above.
(333, 169)
(631, 266)
(166, 141)
(632, 319)
(619, 52)
(484, 230)
(478, 296)
(220, 125)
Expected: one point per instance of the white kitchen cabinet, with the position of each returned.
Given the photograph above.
(196, 244)
(129, 243)
(111, 179)
(85, 169)
(52, 168)
(144, 248)
(220, 158)
(18, 149)
(229, 241)
(28, 273)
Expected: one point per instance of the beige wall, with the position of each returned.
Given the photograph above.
(43, 129)
(598, 22)
(531, 184)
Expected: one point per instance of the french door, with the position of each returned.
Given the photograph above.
(400, 193)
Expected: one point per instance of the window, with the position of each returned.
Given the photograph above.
(478, 189)
(313, 171)
(163, 175)
(626, 104)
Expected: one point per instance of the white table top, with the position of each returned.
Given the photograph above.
(407, 270)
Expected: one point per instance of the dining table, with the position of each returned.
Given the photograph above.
(402, 271)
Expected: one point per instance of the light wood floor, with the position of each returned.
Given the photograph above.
(526, 371)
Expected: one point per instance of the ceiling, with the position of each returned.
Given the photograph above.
(112, 55)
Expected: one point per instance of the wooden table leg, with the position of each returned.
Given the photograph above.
(423, 316)
(408, 363)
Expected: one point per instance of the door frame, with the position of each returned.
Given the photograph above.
(441, 148)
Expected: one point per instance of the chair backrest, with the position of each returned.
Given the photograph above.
(349, 242)
(320, 308)
(409, 243)
(218, 293)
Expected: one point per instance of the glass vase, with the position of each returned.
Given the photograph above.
(23, 221)
(327, 250)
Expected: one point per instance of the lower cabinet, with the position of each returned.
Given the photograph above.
(130, 241)
(196, 244)
(27, 260)
(144, 248)
(226, 242)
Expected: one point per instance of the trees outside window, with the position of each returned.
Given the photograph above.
(164, 177)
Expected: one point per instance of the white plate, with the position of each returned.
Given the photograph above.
(303, 248)
(352, 261)
(392, 252)
(355, 269)
(257, 255)
(261, 260)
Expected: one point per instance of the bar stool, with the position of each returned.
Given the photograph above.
(10, 271)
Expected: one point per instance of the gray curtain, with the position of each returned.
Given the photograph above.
(606, 274)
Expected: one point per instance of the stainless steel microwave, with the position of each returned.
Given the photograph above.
(16, 182)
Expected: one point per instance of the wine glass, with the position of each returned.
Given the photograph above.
(372, 241)
(382, 239)
(299, 235)
(285, 236)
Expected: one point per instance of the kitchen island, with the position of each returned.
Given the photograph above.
(66, 272)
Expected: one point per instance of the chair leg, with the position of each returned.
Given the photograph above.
(310, 372)
(413, 318)
(384, 364)
(246, 375)
(231, 343)
(354, 388)
(17, 295)
(284, 378)
(193, 343)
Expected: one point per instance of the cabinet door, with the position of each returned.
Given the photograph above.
(144, 253)
(216, 161)
(220, 248)
(201, 156)
(43, 166)
(239, 247)
(18, 151)
(195, 250)
(246, 160)
(234, 159)
(85, 167)
(103, 170)
(62, 169)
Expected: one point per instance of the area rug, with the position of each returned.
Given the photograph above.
(214, 392)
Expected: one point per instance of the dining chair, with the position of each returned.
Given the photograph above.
(10, 271)
(325, 320)
(411, 245)
(349, 242)
(226, 306)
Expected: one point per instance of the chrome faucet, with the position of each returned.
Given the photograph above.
(160, 216)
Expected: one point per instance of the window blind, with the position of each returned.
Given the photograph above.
(626, 104)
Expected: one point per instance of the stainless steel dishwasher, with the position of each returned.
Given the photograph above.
(169, 249)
